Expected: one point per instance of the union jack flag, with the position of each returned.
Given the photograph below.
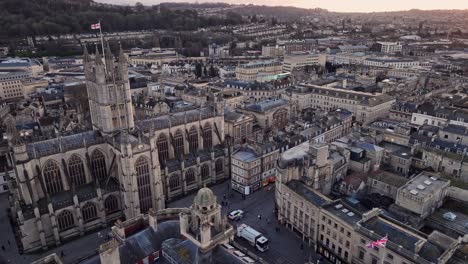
(378, 243)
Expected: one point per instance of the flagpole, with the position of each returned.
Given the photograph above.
(102, 44)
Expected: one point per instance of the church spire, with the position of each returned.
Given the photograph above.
(86, 57)
(97, 57)
(109, 56)
(122, 58)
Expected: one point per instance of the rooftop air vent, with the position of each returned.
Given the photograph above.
(414, 192)
(421, 187)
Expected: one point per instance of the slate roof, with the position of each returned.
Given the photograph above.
(404, 238)
(53, 146)
(245, 155)
(175, 119)
(368, 146)
(455, 129)
(143, 243)
(232, 115)
(266, 105)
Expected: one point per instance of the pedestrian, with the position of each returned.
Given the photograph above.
(302, 246)
(9, 243)
(259, 217)
(3, 247)
(224, 196)
(268, 220)
(62, 254)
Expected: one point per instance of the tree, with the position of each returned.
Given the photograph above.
(198, 70)
(254, 19)
(213, 72)
(139, 7)
(274, 21)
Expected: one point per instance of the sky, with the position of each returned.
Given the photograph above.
(332, 5)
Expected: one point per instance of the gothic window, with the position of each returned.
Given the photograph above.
(178, 144)
(193, 139)
(65, 220)
(205, 171)
(89, 212)
(207, 136)
(76, 170)
(163, 150)
(219, 167)
(52, 177)
(174, 182)
(144, 186)
(98, 165)
(111, 204)
(190, 176)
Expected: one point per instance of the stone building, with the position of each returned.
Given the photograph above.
(423, 194)
(340, 230)
(385, 183)
(69, 185)
(253, 166)
(315, 164)
(366, 107)
(269, 114)
(299, 208)
(238, 126)
(250, 71)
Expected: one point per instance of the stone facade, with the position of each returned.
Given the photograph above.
(67, 186)
(366, 107)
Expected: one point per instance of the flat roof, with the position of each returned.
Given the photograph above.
(245, 156)
(424, 185)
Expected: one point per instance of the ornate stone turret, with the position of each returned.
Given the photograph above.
(204, 226)
(109, 58)
(109, 252)
(86, 57)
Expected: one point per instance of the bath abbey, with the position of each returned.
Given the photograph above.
(70, 184)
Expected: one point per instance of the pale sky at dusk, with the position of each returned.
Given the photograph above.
(335, 5)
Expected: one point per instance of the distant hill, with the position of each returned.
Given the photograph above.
(19, 18)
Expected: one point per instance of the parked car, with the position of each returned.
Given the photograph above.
(236, 215)
(450, 216)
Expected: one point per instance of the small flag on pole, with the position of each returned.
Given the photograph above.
(96, 26)
(379, 243)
